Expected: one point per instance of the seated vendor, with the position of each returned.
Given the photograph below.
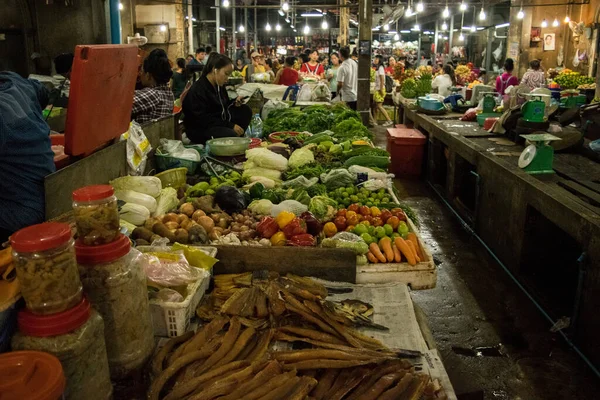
(287, 76)
(156, 99)
(208, 112)
(257, 67)
(25, 153)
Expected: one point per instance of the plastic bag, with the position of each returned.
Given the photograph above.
(261, 207)
(338, 178)
(168, 296)
(321, 92)
(292, 206)
(174, 148)
(371, 174)
(305, 94)
(272, 105)
(265, 158)
(347, 240)
(196, 257)
(301, 157)
(470, 115)
(137, 150)
(230, 199)
(375, 184)
(300, 182)
(170, 269)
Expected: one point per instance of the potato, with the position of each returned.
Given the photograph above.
(187, 209)
(170, 217)
(197, 214)
(215, 234)
(181, 236)
(187, 224)
(160, 229)
(149, 224)
(142, 233)
(181, 218)
(207, 223)
(172, 225)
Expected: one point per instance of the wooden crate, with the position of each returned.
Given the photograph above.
(420, 276)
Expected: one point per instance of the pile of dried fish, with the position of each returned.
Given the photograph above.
(236, 355)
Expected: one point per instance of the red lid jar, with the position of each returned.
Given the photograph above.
(31, 375)
(96, 214)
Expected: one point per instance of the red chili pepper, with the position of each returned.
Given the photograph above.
(296, 227)
(267, 227)
(303, 240)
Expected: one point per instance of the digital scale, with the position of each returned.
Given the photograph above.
(537, 158)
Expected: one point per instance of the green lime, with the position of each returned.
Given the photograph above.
(402, 228)
(210, 192)
(369, 204)
(379, 232)
(345, 195)
(367, 238)
(388, 229)
(350, 190)
(360, 229)
(354, 198)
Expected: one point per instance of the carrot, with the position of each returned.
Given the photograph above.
(413, 238)
(397, 255)
(413, 249)
(405, 249)
(372, 258)
(377, 253)
(386, 246)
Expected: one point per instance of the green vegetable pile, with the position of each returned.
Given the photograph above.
(312, 170)
(313, 119)
(353, 195)
(424, 85)
(351, 129)
(409, 88)
(570, 80)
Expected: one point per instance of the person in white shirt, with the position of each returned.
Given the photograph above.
(445, 81)
(379, 95)
(347, 78)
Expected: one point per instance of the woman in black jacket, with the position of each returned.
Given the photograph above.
(208, 111)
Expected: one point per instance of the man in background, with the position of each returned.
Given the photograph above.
(200, 56)
(347, 77)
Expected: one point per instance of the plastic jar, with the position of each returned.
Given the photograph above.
(115, 284)
(44, 258)
(76, 338)
(96, 214)
(31, 375)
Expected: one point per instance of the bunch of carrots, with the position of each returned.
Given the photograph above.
(396, 250)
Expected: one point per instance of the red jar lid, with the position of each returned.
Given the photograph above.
(105, 253)
(31, 375)
(94, 192)
(54, 324)
(40, 237)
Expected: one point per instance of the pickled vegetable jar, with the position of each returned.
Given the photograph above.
(114, 281)
(76, 338)
(31, 375)
(44, 258)
(96, 214)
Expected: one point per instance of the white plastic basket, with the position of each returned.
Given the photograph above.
(171, 319)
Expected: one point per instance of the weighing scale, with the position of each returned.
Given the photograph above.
(571, 99)
(537, 158)
(534, 109)
(489, 103)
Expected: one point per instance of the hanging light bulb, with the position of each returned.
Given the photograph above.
(278, 27)
(420, 7)
(482, 14)
(268, 27)
(386, 27)
(409, 11)
(292, 26)
(444, 26)
(521, 14)
(287, 20)
(324, 24)
(417, 27)
(446, 12)
(555, 23)
(163, 28)
(544, 23)
(396, 37)
(281, 12)
(242, 28)
(285, 6)
(473, 28)
(463, 6)
(306, 29)
(225, 3)
(121, 6)
(461, 37)
(567, 19)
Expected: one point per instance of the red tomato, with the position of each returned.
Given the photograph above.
(368, 218)
(385, 215)
(341, 213)
(377, 221)
(340, 223)
(394, 222)
(350, 228)
(353, 207)
(364, 210)
(352, 219)
(397, 212)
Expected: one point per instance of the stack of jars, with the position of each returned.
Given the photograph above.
(58, 319)
(113, 279)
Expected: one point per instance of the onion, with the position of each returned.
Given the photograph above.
(170, 217)
(197, 214)
(207, 223)
(181, 218)
(172, 225)
(187, 209)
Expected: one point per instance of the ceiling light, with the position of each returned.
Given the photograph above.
(222, 29)
(305, 15)
(461, 37)
(555, 23)
(295, 30)
(386, 27)
(482, 15)
(268, 27)
(567, 19)
(520, 14)
(416, 28)
(287, 20)
(163, 28)
(405, 31)
(396, 37)
(281, 13)
(408, 12)
(463, 6)
(502, 25)
(446, 12)
(121, 6)
(306, 29)
(292, 26)
(544, 23)
(473, 28)
(242, 28)
(278, 27)
(225, 3)
(420, 7)
(324, 24)
(285, 6)
(444, 26)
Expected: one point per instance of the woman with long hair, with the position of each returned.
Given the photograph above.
(313, 67)
(444, 81)
(208, 111)
(507, 78)
(379, 95)
(332, 73)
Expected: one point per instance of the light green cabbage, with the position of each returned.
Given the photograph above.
(149, 185)
(167, 201)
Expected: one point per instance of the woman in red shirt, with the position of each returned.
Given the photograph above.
(391, 66)
(313, 67)
(287, 76)
(507, 78)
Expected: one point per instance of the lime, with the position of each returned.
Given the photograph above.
(360, 229)
(402, 228)
(367, 238)
(209, 192)
(350, 190)
(379, 232)
(369, 204)
(345, 195)
(388, 229)
(354, 198)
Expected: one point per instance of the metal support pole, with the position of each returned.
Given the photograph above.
(190, 13)
(233, 35)
(115, 22)
(246, 32)
(488, 51)
(435, 42)
(451, 34)
(419, 50)
(365, 35)
(218, 25)
(255, 28)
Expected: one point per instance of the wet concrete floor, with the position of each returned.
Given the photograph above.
(476, 304)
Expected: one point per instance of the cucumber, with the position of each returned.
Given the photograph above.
(318, 138)
(368, 161)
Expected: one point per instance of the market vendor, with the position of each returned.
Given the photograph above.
(156, 99)
(26, 156)
(208, 111)
(287, 76)
(257, 67)
(313, 67)
(390, 69)
(534, 77)
(507, 78)
(444, 81)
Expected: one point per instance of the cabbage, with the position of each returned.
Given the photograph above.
(261, 207)
(288, 205)
(134, 214)
(167, 201)
(264, 172)
(129, 196)
(322, 207)
(301, 157)
(266, 182)
(149, 185)
(265, 158)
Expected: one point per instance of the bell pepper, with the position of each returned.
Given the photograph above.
(296, 227)
(284, 218)
(267, 227)
(278, 239)
(303, 240)
(313, 226)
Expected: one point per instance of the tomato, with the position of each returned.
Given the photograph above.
(364, 210)
(397, 212)
(330, 229)
(360, 217)
(385, 215)
(340, 223)
(366, 223)
(376, 212)
(367, 218)
(341, 213)
(377, 221)
(393, 221)
(350, 228)
(353, 207)
(352, 219)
